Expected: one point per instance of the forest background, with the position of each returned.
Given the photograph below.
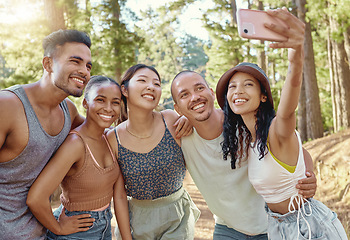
(122, 38)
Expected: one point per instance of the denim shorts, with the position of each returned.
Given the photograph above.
(323, 223)
(101, 228)
(222, 232)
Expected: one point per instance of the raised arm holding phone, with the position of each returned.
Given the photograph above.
(269, 142)
(238, 209)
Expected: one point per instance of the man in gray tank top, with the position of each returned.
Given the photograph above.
(35, 119)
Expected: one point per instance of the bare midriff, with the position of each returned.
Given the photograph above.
(283, 207)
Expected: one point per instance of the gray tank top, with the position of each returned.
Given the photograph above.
(18, 174)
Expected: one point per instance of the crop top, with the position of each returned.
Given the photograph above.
(271, 180)
(157, 173)
(92, 186)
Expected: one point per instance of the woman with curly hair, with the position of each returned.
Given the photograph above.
(270, 143)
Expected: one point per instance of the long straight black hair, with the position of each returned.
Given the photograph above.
(125, 82)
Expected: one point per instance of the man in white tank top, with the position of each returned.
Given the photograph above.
(238, 210)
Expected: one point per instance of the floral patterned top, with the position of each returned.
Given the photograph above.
(155, 174)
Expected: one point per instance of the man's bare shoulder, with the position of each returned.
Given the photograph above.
(170, 115)
(13, 126)
(10, 104)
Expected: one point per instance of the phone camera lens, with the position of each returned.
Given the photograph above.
(245, 30)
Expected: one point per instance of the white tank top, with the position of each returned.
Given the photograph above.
(227, 192)
(272, 181)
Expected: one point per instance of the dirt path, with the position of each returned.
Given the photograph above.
(205, 224)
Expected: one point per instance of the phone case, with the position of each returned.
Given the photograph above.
(251, 25)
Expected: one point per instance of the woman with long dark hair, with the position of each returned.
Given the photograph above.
(270, 143)
(151, 161)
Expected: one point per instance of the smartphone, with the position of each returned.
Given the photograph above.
(251, 25)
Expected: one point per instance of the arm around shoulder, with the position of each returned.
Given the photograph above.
(182, 125)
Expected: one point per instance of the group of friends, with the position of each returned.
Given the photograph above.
(246, 160)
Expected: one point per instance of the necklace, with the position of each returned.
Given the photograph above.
(137, 136)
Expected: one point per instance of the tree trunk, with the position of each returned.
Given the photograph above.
(54, 13)
(233, 12)
(313, 108)
(347, 42)
(273, 69)
(335, 109)
(302, 126)
(116, 14)
(343, 73)
(337, 92)
(88, 13)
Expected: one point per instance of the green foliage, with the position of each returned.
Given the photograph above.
(226, 48)
(114, 45)
(167, 51)
(272, 4)
(160, 48)
(120, 39)
(194, 58)
(22, 53)
(319, 14)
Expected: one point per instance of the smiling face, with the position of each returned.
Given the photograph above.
(144, 89)
(70, 68)
(244, 94)
(193, 97)
(103, 104)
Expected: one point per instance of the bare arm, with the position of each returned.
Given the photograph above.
(38, 199)
(283, 141)
(112, 140)
(181, 124)
(285, 116)
(13, 126)
(121, 208)
(6, 123)
(307, 186)
(120, 202)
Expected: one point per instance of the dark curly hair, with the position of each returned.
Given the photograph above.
(237, 137)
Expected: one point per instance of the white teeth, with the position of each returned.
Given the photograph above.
(105, 116)
(240, 100)
(148, 96)
(198, 106)
(78, 80)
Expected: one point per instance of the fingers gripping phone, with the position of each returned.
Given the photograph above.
(251, 25)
